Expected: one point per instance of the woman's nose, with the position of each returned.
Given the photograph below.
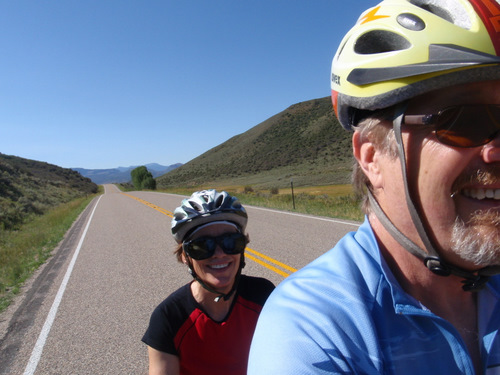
(218, 251)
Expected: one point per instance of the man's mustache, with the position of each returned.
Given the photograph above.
(487, 175)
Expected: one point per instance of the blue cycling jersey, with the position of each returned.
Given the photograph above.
(345, 313)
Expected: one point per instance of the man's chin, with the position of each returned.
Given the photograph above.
(478, 240)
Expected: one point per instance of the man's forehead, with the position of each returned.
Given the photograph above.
(487, 92)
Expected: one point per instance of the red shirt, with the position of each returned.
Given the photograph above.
(179, 326)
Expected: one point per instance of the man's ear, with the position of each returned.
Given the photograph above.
(368, 158)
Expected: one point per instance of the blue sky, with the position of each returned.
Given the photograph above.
(107, 83)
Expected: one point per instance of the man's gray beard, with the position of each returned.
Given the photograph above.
(478, 241)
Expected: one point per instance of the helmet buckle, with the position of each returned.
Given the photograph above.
(435, 265)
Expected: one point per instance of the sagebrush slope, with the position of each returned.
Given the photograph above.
(29, 187)
(305, 143)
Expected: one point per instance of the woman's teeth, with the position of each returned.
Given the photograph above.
(219, 266)
(482, 193)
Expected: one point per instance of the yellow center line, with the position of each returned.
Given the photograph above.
(248, 250)
(268, 266)
(159, 209)
(269, 259)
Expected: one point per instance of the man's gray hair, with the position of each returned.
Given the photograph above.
(377, 128)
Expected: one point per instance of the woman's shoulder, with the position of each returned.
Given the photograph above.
(180, 299)
(166, 320)
(256, 289)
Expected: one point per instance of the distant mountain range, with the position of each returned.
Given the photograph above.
(122, 174)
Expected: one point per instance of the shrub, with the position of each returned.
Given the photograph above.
(142, 178)
(149, 183)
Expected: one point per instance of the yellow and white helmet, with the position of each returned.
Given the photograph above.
(403, 48)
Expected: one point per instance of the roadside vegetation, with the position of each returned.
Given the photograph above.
(335, 201)
(142, 179)
(30, 188)
(38, 204)
(24, 250)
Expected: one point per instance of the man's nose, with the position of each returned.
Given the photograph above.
(491, 151)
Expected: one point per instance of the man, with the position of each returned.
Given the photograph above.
(416, 289)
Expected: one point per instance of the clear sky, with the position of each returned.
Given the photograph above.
(108, 83)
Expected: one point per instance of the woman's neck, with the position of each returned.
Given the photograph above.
(215, 310)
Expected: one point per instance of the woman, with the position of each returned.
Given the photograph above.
(206, 326)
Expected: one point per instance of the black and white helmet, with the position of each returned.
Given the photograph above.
(207, 206)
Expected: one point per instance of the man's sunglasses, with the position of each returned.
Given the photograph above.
(204, 247)
(463, 125)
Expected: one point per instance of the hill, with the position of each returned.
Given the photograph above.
(122, 174)
(29, 187)
(305, 143)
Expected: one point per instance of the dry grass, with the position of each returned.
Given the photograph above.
(335, 201)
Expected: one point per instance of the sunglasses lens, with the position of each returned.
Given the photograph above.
(468, 126)
(234, 243)
(204, 247)
(200, 248)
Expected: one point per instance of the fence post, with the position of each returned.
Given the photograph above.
(293, 196)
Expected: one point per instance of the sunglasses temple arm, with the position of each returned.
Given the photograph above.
(418, 119)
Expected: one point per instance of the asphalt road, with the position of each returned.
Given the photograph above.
(85, 311)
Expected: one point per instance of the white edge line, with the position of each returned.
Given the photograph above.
(288, 213)
(304, 215)
(36, 354)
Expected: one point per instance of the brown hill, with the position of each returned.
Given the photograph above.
(305, 143)
(29, 187)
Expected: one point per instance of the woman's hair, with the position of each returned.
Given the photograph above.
(377, 128)
(178, 252)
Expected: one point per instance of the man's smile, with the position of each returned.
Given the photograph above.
(482, 193)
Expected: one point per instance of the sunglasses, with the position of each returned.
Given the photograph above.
(463, 125)
(204, 247)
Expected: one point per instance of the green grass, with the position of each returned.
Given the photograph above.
(24, 250)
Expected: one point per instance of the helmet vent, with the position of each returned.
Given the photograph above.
(218, 202)
(450, 10)
(380, 41)
(196, 206)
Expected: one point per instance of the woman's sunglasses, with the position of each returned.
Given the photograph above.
(463, 125)
(204, 247)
